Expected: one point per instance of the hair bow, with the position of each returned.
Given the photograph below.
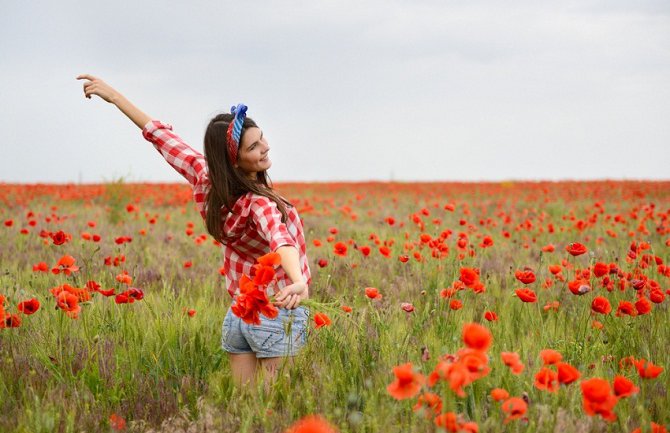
(235, 129)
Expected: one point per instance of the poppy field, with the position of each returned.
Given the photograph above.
(457, 307)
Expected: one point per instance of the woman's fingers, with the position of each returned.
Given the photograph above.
(90, 90)
(293, 303)
(86, 77)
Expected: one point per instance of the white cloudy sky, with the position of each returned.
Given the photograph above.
(344, 90)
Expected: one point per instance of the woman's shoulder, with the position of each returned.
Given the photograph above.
(261, 199)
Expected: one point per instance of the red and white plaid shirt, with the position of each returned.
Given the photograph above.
(255, 220)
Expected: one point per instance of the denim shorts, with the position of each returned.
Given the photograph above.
(284, 335)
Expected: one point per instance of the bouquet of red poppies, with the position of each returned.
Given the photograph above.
(253, 299)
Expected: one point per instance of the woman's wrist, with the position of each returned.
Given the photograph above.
(115, 98)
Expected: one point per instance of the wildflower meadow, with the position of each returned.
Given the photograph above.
(436, 307)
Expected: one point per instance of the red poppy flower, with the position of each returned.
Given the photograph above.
(657, 296)
(576, 249)
(312, 424)
(653, 427)
(477, 337)
(555, 269)
(252, 301)
(601, 305)
(69, 303)
(486, 242)
(624, 387)
(385, 251)
(93, 286)
(129, 296)
(373, 293)
(579, 287)
(124, 278)
(475, 361)
(626, 307)
(41, 267)
(546, 379)
(499, 394)
(595, 389)
(526, 295)
(262, 274)
(407, 383)
(553, 305)
(469, 276)
(10, 321)
(549, 248)
(491, 316)
(448, 422)
(429, 402)
(321, 320)
(600, 269)
(29, 307)
(269, 259)
(567, 374)
(116, 422)
(455, 304)
(643, 306)
(526, 276)
(340, 248)
(515, 408)
(346, 309)
(66, 265)
(407, 307)
(550, 356)
(403, 258)
(512, 360)
(365, 250)
(60, 237)
(598, 399)
(647, 370)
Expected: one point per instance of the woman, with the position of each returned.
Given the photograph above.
(233, 194)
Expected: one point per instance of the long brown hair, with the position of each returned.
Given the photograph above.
(227, 182)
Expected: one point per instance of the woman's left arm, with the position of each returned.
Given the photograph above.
(291, 295)
(267, 217)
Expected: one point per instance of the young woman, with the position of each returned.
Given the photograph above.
(234, 195)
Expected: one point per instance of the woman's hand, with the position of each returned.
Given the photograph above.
(95, 86)
(290, 296)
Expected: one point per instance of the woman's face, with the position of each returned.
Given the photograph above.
(252, 156)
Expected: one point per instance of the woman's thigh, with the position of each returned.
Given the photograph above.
(243, 366)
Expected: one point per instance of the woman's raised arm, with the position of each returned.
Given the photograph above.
(183, 158)
(95, 86)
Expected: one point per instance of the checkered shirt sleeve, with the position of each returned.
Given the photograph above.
(267, 218)
(188, 162)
